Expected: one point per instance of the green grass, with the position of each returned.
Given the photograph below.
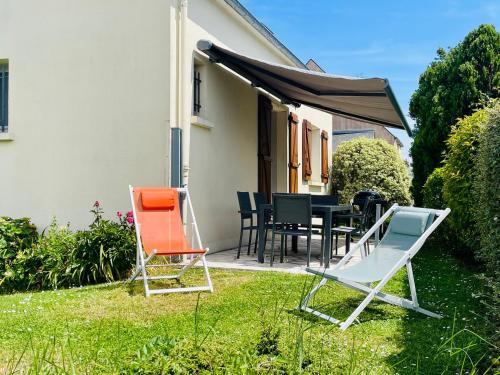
(100, 329)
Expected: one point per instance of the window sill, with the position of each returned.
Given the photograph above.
(315, 183)
(6, 136)
(201, 122)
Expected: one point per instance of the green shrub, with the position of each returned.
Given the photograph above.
(105, 252)
(370, 164)
(458, 175)
(61, 258)
(486, 192)
(433, 198)
(15, 235)
(433, 190)
(50, 258)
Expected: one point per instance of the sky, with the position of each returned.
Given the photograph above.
(387, 39)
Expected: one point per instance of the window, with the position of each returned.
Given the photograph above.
(196, 90)
(4, 97)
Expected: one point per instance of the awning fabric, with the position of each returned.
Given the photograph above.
(367, 99)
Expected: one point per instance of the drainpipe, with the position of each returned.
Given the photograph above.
(185, 84)
(180, 130)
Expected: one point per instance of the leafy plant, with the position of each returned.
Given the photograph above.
(433, 190)
(15, 235)
(370, 164)
(50, 258)
(61, 258)
(486, 208)
(456, 83)
(458, 176)
(104, 252)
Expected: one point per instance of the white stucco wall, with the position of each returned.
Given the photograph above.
(89, 94)
(224, 158)
(93, 96)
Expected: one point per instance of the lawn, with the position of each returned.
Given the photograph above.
(249, 325)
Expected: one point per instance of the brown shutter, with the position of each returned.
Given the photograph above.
(324, 157)
(306, 150)
(293, 157)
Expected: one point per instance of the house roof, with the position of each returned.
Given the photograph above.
(264, 31)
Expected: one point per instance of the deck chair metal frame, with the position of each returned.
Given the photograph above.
(372, 293)
(143, 259)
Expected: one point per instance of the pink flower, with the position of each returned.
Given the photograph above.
(96, 204)
(119, 214)
(130, 220)
(130, 214)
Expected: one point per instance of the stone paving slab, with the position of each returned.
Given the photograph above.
(293, 263)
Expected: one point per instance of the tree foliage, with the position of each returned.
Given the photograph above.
(454, 85)
(370, 164)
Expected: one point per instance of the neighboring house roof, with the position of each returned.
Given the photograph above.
(400, 144)
(343, 125)
(264, 31)
(352, 131)
(313, 65)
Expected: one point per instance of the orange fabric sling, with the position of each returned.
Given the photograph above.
(158, 214)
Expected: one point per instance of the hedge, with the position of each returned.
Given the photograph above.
(459, 175)
(486, 192)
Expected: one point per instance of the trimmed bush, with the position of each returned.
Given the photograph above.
(364, 163)
(486, 192)
(459, 175)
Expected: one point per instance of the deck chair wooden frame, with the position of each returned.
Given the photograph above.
(365, 287)
(145, 256)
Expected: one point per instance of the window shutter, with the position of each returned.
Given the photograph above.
(306, 150)
(293, 157)
(324, 157)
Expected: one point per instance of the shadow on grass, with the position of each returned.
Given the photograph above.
(375, 311)
(453, 344)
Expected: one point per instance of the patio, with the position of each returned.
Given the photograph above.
(294, 263)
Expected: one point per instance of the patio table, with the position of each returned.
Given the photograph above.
(322, 210)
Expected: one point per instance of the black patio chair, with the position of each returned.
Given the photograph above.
(292, 216)
(246, 213)
(358, 230)
(332, 200)
(260, 199)
(358, 203)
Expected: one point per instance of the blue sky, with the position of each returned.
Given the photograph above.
(388, 39)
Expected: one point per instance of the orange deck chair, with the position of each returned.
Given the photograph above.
(160, 232)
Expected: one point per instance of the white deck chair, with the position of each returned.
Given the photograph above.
(160, 232)
(407, 232)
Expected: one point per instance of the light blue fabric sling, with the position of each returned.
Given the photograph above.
(404, 230)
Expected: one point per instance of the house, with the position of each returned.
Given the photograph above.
(97, 95)
(345, 128)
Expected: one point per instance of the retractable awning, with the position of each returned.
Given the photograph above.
(367, 99)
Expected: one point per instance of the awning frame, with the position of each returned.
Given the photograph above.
(216, 55)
